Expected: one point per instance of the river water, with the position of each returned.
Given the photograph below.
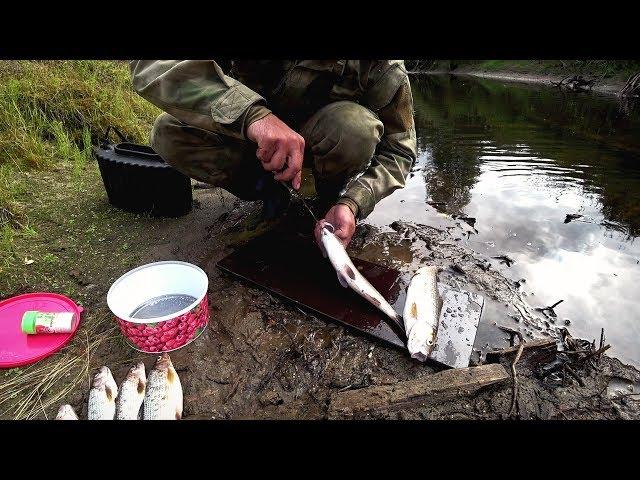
(518, 158)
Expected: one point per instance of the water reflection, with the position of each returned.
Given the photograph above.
(519, 158)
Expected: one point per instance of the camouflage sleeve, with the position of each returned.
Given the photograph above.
(396, 151)
(198, 92)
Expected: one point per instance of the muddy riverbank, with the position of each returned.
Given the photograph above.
(262, 358)
(604, 86)
(499, 169)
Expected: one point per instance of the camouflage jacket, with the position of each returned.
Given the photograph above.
(198, 92)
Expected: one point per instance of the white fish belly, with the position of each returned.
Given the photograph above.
(163, 398)
(100, 406)
(421, 312)
(349, 276)
(129, 401)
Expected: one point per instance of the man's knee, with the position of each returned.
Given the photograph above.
(343, 137)
(168, 139)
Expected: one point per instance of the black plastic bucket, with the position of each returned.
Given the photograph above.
(138, 180)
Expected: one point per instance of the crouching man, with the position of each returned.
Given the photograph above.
(254, 126)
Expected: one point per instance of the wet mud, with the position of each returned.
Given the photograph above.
(262, 358)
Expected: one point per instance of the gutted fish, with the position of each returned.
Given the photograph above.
(66, 412)
(349, 276)
(102, 396)
(131, 394)
(421, 312)
(163, 397)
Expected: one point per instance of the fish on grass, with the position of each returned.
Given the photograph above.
(131, 394)
(349, 276)
(66, 412)
(421, 312)
(102, 396)
(163, 396)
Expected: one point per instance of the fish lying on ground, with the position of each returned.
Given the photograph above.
(163, 397)
(421, 312)
(102, 396)
(66, 412)
(349, 276)
(131, 394)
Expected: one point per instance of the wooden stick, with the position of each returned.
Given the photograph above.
(573, 374)
(514, 397)
(597, 352)
(415, 393)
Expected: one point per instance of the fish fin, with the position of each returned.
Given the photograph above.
(342, 280)
(109, 393)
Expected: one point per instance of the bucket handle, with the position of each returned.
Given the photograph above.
(105, 140)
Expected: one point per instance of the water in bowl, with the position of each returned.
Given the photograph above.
(163, 305)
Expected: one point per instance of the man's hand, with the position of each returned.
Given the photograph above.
(342, 219)
(280, 149)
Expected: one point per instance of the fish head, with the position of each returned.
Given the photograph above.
(163, 363)
(326, 236)
(103, 380)
(138, 375)
(66, 412)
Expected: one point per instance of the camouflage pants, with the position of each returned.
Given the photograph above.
(340, 140)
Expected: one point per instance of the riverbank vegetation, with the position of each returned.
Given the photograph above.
(613, 70)
(50, 114)
(57, 233)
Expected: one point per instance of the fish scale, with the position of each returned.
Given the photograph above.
(131, 395)
(421, 312)
(163, 395)
(102, 396)
(349, 276)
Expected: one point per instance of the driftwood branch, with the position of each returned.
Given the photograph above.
(415, 393)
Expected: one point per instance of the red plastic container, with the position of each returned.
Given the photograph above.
(167, 332)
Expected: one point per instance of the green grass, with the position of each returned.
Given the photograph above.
(52, 112)
(52, 209)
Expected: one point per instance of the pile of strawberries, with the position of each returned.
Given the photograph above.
(167, 335)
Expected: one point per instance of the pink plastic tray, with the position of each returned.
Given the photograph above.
(17, 348)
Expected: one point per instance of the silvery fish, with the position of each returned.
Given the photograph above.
(163, 398)
(349, 276)
(131, 394)
(421, 312)
(66, 412)
(102, 396)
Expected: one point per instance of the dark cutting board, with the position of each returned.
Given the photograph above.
(292, 267)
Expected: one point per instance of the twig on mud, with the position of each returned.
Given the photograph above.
(514, 398)
(234, 389)
(596, 352)
(571, 372)
(549, 309)
(512, 332)
(524, 317)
